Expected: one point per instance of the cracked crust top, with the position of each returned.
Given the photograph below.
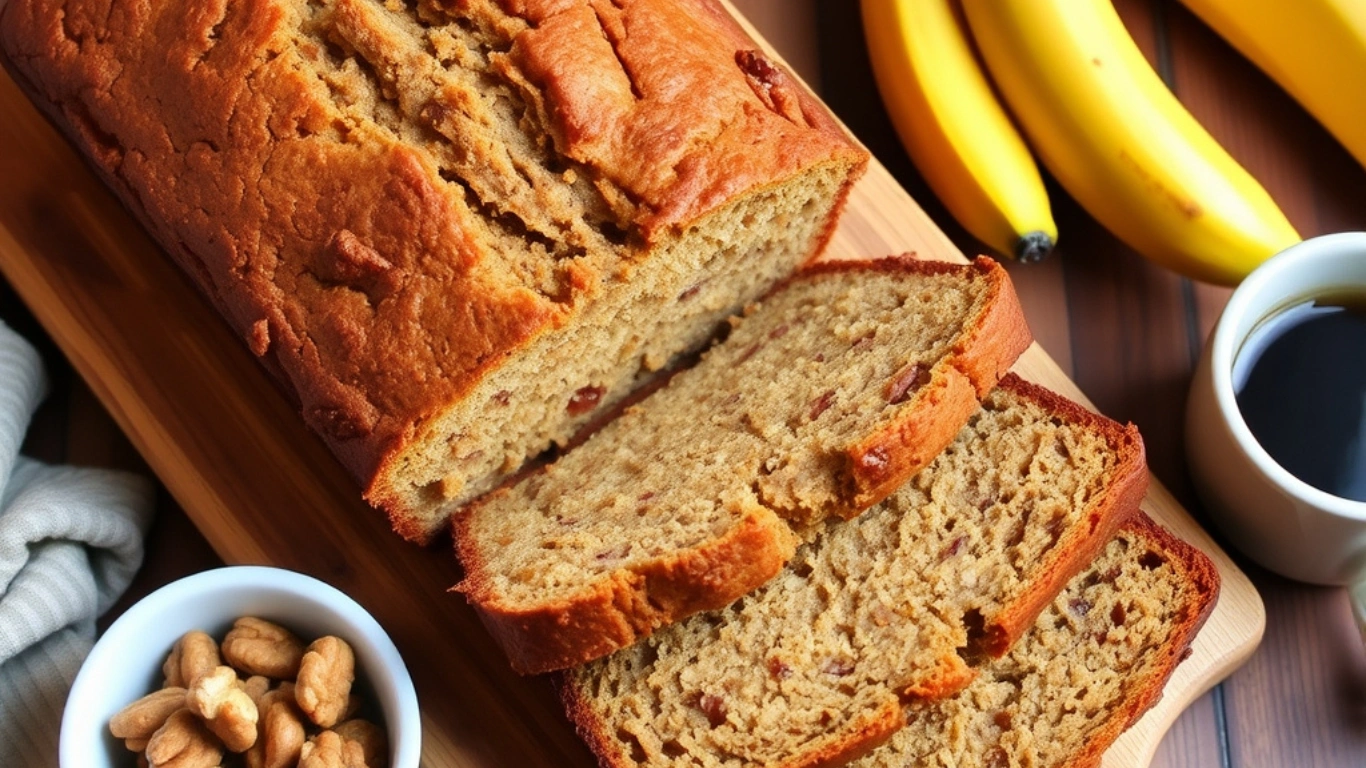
(333, 176)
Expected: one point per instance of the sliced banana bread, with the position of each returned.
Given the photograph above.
(455, 231)
(898, 603)
(1095, 661)
(821, 401)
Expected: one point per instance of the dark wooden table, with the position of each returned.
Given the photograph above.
(1126, 331)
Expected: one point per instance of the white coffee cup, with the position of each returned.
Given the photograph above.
(1280, 521)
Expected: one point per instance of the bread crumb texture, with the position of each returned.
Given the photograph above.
(455, 231)
(1094, 661)
(700, 492)
(891, 606)
(764, 419)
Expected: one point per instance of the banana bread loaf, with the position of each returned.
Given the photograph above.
(898, 603)
(1093, 663)
(454, 231)
(823, 400)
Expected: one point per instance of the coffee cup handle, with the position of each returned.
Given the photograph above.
(1356, 593)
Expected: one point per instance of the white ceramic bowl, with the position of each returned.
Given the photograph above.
(126, 662)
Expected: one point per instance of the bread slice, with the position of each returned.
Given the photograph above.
(821, 401)
(456, 232)
(1093, 663)
(898, 603)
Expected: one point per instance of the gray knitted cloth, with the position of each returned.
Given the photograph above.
(70, 542)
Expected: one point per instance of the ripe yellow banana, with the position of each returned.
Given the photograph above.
(1112, 134)
(954, 129)
(1315, 49)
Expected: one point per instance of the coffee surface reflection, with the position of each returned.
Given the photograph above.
(1300, 381)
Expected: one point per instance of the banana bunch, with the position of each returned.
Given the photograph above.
(1103, 123)
(1315, 50)
(954, 129)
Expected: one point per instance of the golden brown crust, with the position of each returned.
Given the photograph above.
(1197, 568)
(987, 351)
(619, 609)
(596, 66)
(1105, 515)
(345, 264)
(1076, 734)
(1127, 475)
(361, 374)
(869, 731)
(879, 464)
(586, 723)
(1200, 569)
(631, 604)
(883, 461)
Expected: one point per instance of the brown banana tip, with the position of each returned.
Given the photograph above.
(1033, 247)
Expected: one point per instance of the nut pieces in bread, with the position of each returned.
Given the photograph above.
(263, 694)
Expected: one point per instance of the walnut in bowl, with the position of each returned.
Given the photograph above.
(219, 658)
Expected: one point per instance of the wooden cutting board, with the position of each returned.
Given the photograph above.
(262, 489)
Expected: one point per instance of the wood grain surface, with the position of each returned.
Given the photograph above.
(196, 405)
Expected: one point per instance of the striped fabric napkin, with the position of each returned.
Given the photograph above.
(70, 542)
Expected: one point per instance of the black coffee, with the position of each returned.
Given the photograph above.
(1300, 381)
